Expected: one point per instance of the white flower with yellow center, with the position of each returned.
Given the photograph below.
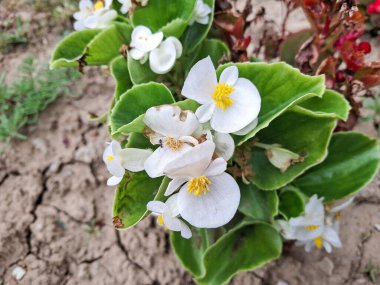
(118, 160)
(308, 226)
(172, 130)
(144, 41)
(231, 106)
(208, 196)
(167, 215)
(327, 239)
(201, 13)
(125, 6)
(96, 15)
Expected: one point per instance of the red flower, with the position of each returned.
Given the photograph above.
(364, 47)
(374, 8)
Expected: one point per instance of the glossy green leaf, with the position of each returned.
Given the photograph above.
(241, 249)
(136, 101)
(258, 204)
(332, 104)
(281, 87)
(138, 140)
(352, 163)
(190, 251)
(133, 194)
(290, 47)
(300, 132)
(105, 46)
(292, 202)
(171, 17)
(119, 71)
(138, 125)
(71, 48)
(196, 33)
(214, 48)
(140, 73)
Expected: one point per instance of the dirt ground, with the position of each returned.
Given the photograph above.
(55, 209)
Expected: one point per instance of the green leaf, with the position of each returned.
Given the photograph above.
(258, 204)
(213, 48)
(71, 48)
(241, 249)
(332, 104)
(189, 251)
(138, 125)
(136, 101)
(133, 194)
(105, 46)
(171, 17)
(119, 71)
(138, 140)
(300, 132)
(352, 163)
(140, 73)
(292, 202)
(290, 47)
(281, 87)
(196, 33)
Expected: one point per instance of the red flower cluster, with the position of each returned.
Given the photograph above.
(374, 8)
(352, 52)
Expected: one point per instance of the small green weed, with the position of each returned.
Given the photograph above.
(30, 93)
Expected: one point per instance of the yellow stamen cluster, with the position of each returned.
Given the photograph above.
(199, 185)
(160, 220)
(222, 94)
(311, 228)
(318, 242)
(110, 157)
(98, 5)
(174, 144)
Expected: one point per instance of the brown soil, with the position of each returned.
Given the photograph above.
(55, 210)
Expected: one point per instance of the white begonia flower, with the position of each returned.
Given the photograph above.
(327, 239)
(125, 6)
(231, 105)
(167, 215)
(118, 159)
(144, 41)
(172, 129)
(162, 58)
(94, 16)
(201, 13)
(308, 226)
(209, 197)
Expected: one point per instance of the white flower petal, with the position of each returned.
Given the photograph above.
(112, 181)
(247, 128)
(340, 205)
(330, 235)
(214, 209)
(185, 231)
(243, 111)
(216, 167)
(106, 19)
(204, 112)
(156, 163)
(157, 207)
(315, 206)
(116, 147)
(86, 4)
(191, 163)
(171, 121)
(174, 185)
(177, 44)
(327, 247)
(201, 81)
(107, 152)
(115, 168)
(144, 40)
(172, 223)
(225, 145)
(162, 58)
(79, 25)
(133, 159)
(172, 204)
(229, 75)
(137, 54)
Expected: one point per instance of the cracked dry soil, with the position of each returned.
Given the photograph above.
(55, 211)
